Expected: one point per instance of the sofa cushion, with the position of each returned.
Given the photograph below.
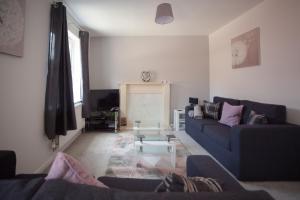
(178, 183)
(68, 168)
(255, 118)
(231, 115)
(276, 114)
(211, 110)
(219, 133)
(221, 100)
(199, 123)
(198, 114)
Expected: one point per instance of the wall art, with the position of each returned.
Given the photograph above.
(12, 24)
(246, 49)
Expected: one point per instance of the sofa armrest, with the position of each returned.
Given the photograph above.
(205, 166)
(7, 164)
(269, 152)
(266, 137)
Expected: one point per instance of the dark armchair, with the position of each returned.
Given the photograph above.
(8, 163)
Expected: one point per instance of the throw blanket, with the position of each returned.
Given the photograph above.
(178, 183)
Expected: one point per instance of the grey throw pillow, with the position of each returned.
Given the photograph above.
(211, 110)
(255, 118)
(178, 183)
(191, 113)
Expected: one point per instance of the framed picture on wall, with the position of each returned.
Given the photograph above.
(12, 24)
(245, 49)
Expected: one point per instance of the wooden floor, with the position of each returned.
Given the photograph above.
(93, 149)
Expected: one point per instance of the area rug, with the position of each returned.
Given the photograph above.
(127, 161)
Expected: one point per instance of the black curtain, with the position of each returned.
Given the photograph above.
(59, 105)
(84, 42)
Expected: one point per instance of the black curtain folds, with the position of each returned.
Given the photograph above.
(59, 106)
(84, 42)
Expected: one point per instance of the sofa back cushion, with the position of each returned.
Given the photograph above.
(276, 114)
(221, 100)
(234, 102)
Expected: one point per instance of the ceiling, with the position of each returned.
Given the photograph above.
(136, 17)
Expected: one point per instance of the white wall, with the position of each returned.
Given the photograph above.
(22, 89)
(183, 61)
(277, 79)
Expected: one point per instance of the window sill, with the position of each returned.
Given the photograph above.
(77, 104)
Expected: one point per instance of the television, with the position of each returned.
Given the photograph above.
(101, 100)
(193, 100)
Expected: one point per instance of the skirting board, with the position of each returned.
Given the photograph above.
(47, 163)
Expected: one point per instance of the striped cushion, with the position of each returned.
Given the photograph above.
(255, 118)
(211, 110)
(177, 183)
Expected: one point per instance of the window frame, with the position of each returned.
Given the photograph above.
(75, 49)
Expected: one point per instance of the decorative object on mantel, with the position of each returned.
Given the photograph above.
(246, 49)
(12, 23)
(164, 14)
(146, 76)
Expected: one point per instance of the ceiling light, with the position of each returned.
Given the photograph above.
(164, 14)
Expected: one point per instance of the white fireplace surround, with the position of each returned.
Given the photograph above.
(148, 102)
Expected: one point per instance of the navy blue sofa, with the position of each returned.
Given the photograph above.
(251, 152)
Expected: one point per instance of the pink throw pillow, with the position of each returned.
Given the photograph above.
(68, 168)
(231, 115)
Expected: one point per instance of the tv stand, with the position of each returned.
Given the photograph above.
(103, 120)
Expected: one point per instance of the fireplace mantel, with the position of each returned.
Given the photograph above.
(161, 93)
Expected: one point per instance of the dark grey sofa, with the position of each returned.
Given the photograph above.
(251, 152)
(36, 188)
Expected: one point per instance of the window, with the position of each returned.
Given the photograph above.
(75, 56)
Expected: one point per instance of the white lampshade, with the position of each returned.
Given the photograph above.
(164, 14)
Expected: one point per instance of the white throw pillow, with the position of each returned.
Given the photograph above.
(191, 113)
(198, 114)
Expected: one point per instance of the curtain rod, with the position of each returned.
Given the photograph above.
(55, 2)
(69, 12)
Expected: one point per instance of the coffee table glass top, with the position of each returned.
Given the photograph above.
(150, 142)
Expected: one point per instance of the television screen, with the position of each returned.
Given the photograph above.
(104, 99)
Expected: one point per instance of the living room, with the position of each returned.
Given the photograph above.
(191, 55)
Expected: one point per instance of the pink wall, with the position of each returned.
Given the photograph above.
(277, 79)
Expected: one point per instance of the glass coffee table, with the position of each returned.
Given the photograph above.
(155, 141)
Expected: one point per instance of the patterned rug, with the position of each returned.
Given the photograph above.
(127, 161)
